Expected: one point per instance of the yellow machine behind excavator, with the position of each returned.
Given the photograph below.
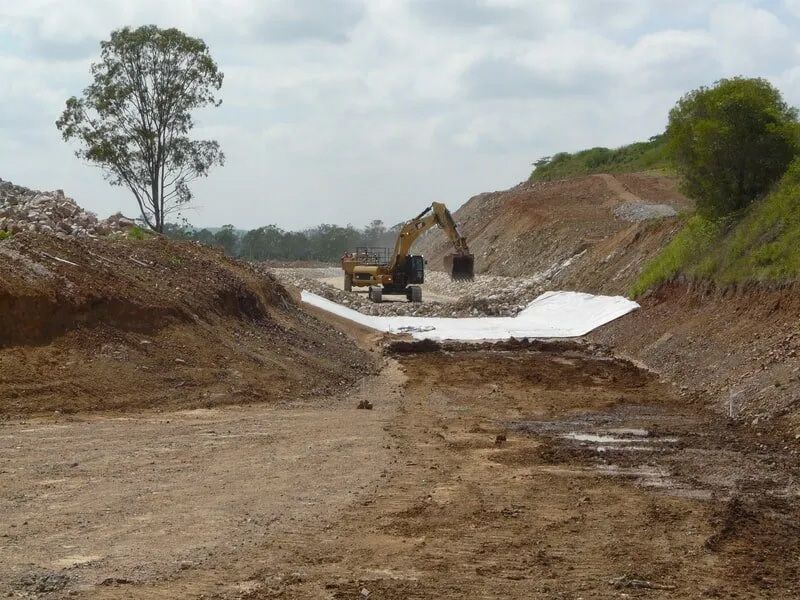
(397, 271)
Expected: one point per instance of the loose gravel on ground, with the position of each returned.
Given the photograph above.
(487, 295)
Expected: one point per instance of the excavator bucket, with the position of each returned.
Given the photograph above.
(461, 266)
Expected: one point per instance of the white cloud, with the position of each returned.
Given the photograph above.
(752, 40)
(348, 110)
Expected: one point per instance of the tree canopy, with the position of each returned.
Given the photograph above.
(731, 142)
(135, 118)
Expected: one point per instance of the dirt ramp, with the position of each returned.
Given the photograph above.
(94, 324)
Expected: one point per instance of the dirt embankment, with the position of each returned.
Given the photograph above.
(591, 233)
(736, 349)
(116, 323)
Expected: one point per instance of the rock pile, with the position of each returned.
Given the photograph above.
(487, 295)
(22, 209)
(636, 212)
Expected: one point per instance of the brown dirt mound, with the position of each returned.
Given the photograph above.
(49, 286)
(115, 323)
(566, 231)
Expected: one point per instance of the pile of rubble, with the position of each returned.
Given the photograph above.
(636, 212)
(22, 209)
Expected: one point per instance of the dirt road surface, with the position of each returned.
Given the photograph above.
(550, 471)
(93, 503)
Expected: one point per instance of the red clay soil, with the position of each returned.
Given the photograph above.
(736, 348)
(116, 323)
(535, 227)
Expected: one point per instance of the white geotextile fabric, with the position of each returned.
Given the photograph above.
(551, 315)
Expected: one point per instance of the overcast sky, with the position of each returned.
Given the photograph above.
(346, 110)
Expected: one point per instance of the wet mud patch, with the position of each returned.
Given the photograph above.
(402, 347)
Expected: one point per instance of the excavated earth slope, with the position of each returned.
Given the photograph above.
(99, 323)
(590, 233)
(735, 349)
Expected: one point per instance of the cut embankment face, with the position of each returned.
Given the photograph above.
(591, 233)
(50, 286)
(97, 324)
(551, 315)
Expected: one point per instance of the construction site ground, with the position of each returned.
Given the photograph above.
(174, 424)
(543, 470)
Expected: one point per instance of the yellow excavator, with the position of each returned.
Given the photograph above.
(387, 271)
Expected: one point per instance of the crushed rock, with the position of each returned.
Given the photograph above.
(22, 209)
(636, 212)
(487, 295)
(42, 582)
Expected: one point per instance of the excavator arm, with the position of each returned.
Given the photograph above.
(461, 263)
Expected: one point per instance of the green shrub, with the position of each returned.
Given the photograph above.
(137, 233)
(731, 142)
(694, 240)
(4, 235)
(765, 244)
(762, 246)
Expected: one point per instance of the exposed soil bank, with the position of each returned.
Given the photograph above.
(738, 349)
(95, 324)
(573, 234)
(49, 286)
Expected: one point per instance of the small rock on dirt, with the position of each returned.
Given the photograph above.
(365, 405)
(115, 581)
(43, 582)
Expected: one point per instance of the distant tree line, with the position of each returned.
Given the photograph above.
(325, 243)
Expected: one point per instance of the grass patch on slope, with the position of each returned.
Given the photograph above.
(695, 239)
(640, 156)
(762, 247)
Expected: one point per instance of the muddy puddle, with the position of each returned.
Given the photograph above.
(635, 453)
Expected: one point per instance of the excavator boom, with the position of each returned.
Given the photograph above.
(460, 264)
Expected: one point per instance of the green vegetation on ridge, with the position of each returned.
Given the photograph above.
(324, 242)
(639, 156)
(762, 247)
(731, 143)
(735, 147)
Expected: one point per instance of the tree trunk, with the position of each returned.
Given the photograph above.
(157, 206)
